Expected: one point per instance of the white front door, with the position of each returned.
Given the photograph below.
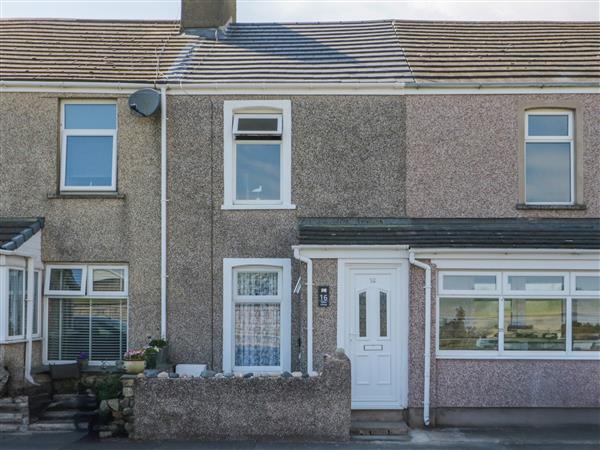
(377, 325)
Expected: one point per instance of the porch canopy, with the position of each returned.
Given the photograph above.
(452, 233)
(14, 232)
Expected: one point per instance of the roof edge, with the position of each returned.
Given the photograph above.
(34, 225)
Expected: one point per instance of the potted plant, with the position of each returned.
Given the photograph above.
(161, 353)
(134, 361)
(83, 360)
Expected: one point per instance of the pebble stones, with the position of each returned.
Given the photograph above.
(140, 375)
(173, 375)
(151, 373)
(286, 374)
(208, 373)
(229, 375)
(297, 374)
(219, 375)
(248, 375)
(163, 375)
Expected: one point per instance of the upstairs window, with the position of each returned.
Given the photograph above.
(88, 146)
(257, 155)
(549, 157)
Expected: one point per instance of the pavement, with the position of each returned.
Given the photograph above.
(445, 438)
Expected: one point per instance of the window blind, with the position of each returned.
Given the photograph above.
(65, 279)
(108, 280)
(95, 326)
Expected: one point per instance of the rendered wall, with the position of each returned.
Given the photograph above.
(347, 161)
(463, 154)
(89, 230)
(316, 408)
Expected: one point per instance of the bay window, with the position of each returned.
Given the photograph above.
(13, 305)
(518, 315)
(86, 312)
(256, 315)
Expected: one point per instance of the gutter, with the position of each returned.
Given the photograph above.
(309, 309)
(427, 350)
(345, 88)
(163, 212)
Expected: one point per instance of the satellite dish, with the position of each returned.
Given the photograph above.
(145, 102)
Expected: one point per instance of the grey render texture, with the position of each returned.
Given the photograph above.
(353, 156)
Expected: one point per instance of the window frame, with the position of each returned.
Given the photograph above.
(231, 266)
(90, 282)
(86, 294)
(56, 293)
(281, 174)
(567, 295)
(242, 115)
(66, 132)
(570, 138)
(4, 278)
(255, 108)
(6, 307)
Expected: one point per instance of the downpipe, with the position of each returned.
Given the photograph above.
(427, 351)
(163, 212)
(309, 309)
(29, 312)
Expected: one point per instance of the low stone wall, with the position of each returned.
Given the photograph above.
(251, 407)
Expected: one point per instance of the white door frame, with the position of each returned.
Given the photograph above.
(402, 321)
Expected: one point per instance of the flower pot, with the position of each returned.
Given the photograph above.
(134, 367)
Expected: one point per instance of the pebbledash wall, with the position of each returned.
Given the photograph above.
(470, 146)
(109, 229)
(348, 160)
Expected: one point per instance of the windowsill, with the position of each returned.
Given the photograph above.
(19, 341)
(594, 356)
(576, 207)
(87, 195)
(266, 206)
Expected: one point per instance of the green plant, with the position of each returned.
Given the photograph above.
(158, 343)
(108, 387)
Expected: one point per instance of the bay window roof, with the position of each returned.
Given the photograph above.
(453, 233)
(15, 231)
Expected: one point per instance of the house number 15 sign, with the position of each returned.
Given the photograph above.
(323, 296)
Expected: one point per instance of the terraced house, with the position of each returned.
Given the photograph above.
(424, 195)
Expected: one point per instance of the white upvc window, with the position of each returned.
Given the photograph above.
(257, 154)
(88, 157)
(531, 315)
(256, 315)
(86, 312)
(549, 157)
(13, 305)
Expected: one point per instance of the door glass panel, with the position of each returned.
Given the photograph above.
(362, 314)
(383, 314)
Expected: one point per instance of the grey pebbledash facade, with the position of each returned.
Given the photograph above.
(362, 157)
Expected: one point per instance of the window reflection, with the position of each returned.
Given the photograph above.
(468, 324)
(586, 324)
(534, 324)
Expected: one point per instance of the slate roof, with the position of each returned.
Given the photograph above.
(14, 232)
(334, 52)
(451, 233)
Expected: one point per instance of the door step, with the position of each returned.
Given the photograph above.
(378, 425)
(54, 425)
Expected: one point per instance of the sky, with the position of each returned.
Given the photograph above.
(315, 10)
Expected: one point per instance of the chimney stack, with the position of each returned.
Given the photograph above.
(206, 14)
